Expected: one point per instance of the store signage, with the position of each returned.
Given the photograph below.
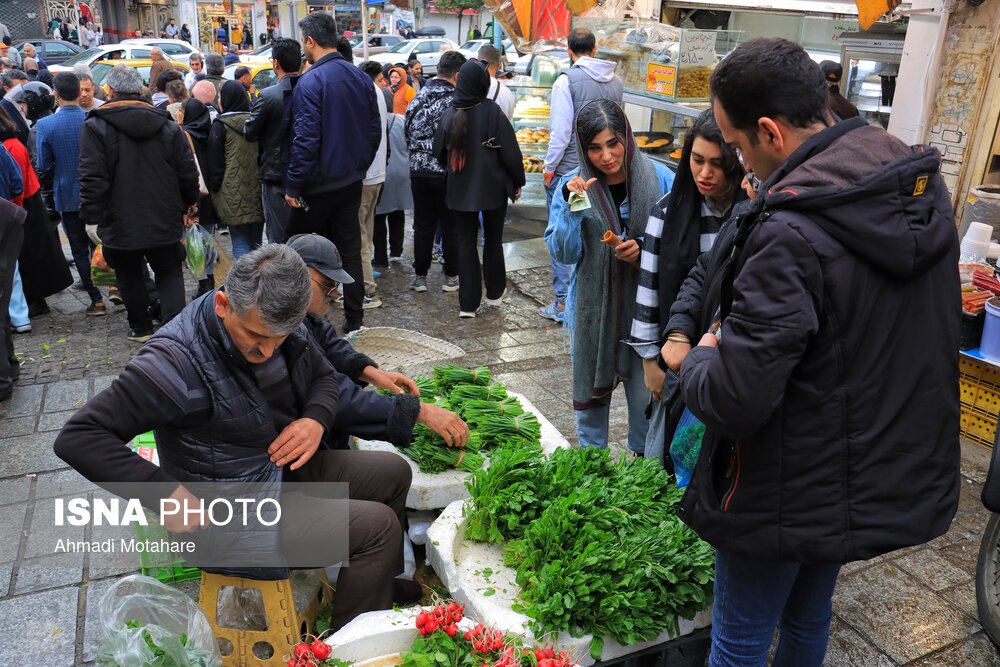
(661, 79)
(697, 48)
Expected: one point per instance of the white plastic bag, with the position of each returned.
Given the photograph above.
(145, 622)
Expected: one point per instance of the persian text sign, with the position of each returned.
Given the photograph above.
(697, 48)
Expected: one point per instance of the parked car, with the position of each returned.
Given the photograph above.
(471, 50)
(261, 74)
(174, 49)
(102, 68)
(428, 53)
(54, 51)
(262, 54)
(376, 43)
(123, 51)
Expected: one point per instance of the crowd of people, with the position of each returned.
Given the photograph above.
(796, 269)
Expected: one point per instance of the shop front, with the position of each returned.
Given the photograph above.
(238, 23)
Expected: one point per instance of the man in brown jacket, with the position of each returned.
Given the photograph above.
(160, 65)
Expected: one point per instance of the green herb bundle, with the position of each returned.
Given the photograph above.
(428, 388)
(471, 392)
(433, 456)
(475, 412)
(450, 375)
(594, 538)
(499, 427)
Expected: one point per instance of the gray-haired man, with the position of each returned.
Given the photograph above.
(137, 180)
(214, 67)
(236, 391)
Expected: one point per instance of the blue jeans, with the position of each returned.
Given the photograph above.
(753, 596)
(592, 424)
(18, 304)
(560, 272)
(246, 238)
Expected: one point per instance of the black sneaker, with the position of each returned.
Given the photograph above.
(38, 308)
(97, 309)
(140, 336)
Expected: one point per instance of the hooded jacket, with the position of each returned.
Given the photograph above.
(137, 175)
(587, 80)
(422, 118)
(403, 93)
(831, 402)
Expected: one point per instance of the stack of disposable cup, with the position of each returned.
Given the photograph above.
(976, 244)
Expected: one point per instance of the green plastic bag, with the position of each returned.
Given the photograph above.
(194, 244)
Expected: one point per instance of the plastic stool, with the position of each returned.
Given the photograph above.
(285, 624)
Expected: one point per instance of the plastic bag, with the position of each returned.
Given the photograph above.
(194, 244)
(145, 622)
(685, 446)
(97, 259)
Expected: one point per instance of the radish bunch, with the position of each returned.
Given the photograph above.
(441, 617)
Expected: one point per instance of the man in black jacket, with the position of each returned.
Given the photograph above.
(337, 130)
(236, 390)
(828, 381)
(365, 414)
(138, 179)
(270, 125)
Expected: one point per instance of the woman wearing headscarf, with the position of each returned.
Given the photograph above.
(483, 169)
(682, 226)
(234, 175)
(42, 271)
(196, 120)
(613, 190)
(402, 92)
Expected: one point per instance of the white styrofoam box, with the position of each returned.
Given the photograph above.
(428, 492)
(475, 575)
(375, 636)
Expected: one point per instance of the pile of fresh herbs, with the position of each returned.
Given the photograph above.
(494, 418)
(596, 544)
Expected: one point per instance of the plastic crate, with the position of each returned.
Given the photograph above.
(978, 426)
(166, 567)
(980, 394)
(687, 651)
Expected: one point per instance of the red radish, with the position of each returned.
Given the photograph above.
(302, 650)
(431, 626)
(422, 618)
(320, 650)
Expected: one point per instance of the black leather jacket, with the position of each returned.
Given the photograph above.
(270, 125)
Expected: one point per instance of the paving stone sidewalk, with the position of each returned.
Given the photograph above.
(912, 607)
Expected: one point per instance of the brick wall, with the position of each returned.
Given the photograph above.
(24, 18)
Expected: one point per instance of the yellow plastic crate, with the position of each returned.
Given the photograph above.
(978, 426)
(980, 393)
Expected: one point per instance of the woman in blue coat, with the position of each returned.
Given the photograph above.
(613, 190)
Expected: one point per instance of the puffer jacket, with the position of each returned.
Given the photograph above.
(270, 125)
(234, 175)
(422, 119)
(831, 402)
(137, 175)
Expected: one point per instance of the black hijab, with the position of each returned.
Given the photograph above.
(197, 121)
(233, 97)
(473, 85)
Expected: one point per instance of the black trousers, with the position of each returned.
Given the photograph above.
(130, 271)
(396, 222)
(334, 214)
(494, 271)
(82, 248)
(429, 210)
(11, 238)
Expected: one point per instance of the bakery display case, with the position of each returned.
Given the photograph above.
(531, 126)
(658, 60)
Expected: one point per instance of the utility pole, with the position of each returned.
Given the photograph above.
(364, 28)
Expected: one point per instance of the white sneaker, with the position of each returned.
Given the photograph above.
(450, 284)
(467, 314)
(371, 302)
(396, 258)
(497, 302)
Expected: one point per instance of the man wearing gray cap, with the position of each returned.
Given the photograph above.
(364, 414)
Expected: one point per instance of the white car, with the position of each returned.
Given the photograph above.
(261, 54)
(471, 50)
(127, 50)
(428, 52)
(174, 49)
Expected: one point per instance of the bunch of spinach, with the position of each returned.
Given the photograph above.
(598, 548)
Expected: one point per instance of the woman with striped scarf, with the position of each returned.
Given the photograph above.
(682, 225)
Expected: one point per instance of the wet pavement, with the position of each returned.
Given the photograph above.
(913, 607)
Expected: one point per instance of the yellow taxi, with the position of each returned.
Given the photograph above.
(102, 68)
(261, 74)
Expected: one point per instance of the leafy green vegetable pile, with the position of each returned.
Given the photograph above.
(494, 418)
(596, 544)
(158, 648)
